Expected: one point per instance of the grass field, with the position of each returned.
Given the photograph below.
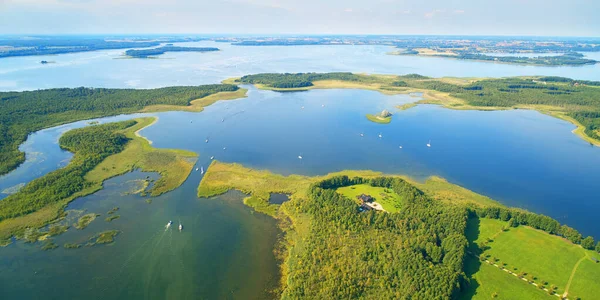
(488, 281)
(546, 257)
(378, 119)
(390, 201)
(173, 165)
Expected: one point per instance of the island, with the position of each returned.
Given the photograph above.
(384, 117)
(150, 53)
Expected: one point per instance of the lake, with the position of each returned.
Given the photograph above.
(521, 158)
(107, 68)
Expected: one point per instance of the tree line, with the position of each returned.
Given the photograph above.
(516, 217)
(22, 113)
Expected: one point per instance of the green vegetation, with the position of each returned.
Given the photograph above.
(22, 113)
(71, 246)
(488, 280)
(113, 210)
(107, 236)
(541, 258)
(406, 106)
(101, 152)
(112, 218)
(85, 220)
(379, 119)
(55, 230)
(390, 201)
(49, 245)
(415, 253)
(145, 53)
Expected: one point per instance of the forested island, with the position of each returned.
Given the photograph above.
(576, 101)
(22, 113)
(61, 45)
(146, 53)
(441, 242)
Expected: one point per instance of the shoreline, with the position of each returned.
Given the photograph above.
(137, 132)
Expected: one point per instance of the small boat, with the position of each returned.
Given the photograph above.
(224, 148)
(302, 107)
(206, 140)
(362, 134)
(212, 157)
(429, 144)
(380, 136)
(299, 156)
(400, 147)
(169, 224)
(322, 105)
(196, 169)
(201, 170)
(180, 227)
(222, 120)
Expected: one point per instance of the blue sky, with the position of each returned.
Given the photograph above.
(468, 17)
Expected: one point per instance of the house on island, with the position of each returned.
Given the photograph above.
(385, 114)
(367, 203)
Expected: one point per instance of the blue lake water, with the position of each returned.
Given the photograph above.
(107, 69)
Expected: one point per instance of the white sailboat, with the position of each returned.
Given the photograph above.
(212, 157)
(380, 136)
(429, 144)
(196, 169)
(400, 147)
(362, 134)
(206, 140)
(201, 170)
(169, 225)
(180, 227)
(299, 156)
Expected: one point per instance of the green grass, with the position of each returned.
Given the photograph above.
(390, 201)
(488, 280)
(57, 230)
(546, 257)
(406, 106)
(49, 245)
(379, 119)
(585, 281)
(71, 246)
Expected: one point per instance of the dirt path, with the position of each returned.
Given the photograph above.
(573, 275)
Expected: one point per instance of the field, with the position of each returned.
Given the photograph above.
(543, 257)
(174, 166)
(488, 281)
(390, 201)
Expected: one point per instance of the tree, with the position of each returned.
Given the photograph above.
(588, 243)
(598, 247)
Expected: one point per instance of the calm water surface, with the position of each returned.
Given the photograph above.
(223, 252)
(108, 69)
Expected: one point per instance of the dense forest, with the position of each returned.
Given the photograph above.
(24, 112)
(144, 53)
(91, 145)
(580, 99)
(416, 253)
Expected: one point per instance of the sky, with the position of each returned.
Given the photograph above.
(401, 17)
